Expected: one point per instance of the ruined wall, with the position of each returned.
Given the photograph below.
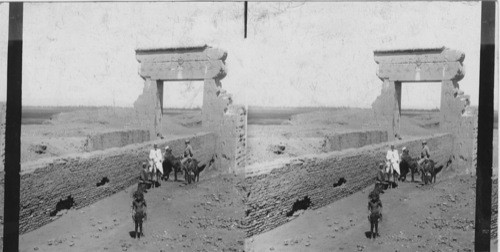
(102, 141)
(340, 141)
(386, 107)
(232, 140)
(45, 182)
(228, 121)
(271, 195)
(458, 118)
(145, 106)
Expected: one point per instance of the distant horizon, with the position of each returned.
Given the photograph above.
(249, 107)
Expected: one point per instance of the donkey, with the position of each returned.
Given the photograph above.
(429, 171)
(408, 164)
(193, 169)
(170, 163)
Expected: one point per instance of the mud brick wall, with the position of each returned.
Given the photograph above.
(458, 118)
(340, 141)
(102, 141)
(272, 195)
(45, 182)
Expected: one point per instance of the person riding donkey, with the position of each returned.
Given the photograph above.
(139, 214)
(392, 158)
(424, 154)
(155, 161)
(188, 153)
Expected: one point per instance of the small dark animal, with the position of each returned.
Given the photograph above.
(171, 163)
(408, 164)
(201, 168)
(340, 182)
(193, 169)
(429, 171)
(103, 181)
(63, 204)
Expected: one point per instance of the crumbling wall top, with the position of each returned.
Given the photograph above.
(176, 54)
(180, 48)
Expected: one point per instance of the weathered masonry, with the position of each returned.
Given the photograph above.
(274, 189)
(441, 65)
(219, 115)
(53, 184)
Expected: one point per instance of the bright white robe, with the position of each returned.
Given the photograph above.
(155, 157)
(392, 158)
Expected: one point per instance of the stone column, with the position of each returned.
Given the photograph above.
(145, 106)
(212, 111)
(387, 107)
(397, 108)
(448, 111)
(158, 101)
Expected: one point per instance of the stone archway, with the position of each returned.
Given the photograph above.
(219, 115)
(427, 65)
(179, 64)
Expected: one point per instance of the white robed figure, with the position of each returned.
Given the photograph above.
(156, 159)
(393, 160)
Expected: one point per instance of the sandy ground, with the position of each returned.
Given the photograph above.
(66, 132)
(196, 217)
(437, 217)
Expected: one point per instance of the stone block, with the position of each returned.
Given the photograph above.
(423, 72)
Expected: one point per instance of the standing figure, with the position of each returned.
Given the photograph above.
(392, 158)
(139, 213)
(374, 213)
(380, 183)
(144, 179)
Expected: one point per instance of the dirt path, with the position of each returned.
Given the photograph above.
(199, 217)
(439, 217)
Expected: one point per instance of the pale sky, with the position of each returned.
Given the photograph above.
(296, 54)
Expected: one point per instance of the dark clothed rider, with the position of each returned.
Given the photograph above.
(188, 153)
(424, 154)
